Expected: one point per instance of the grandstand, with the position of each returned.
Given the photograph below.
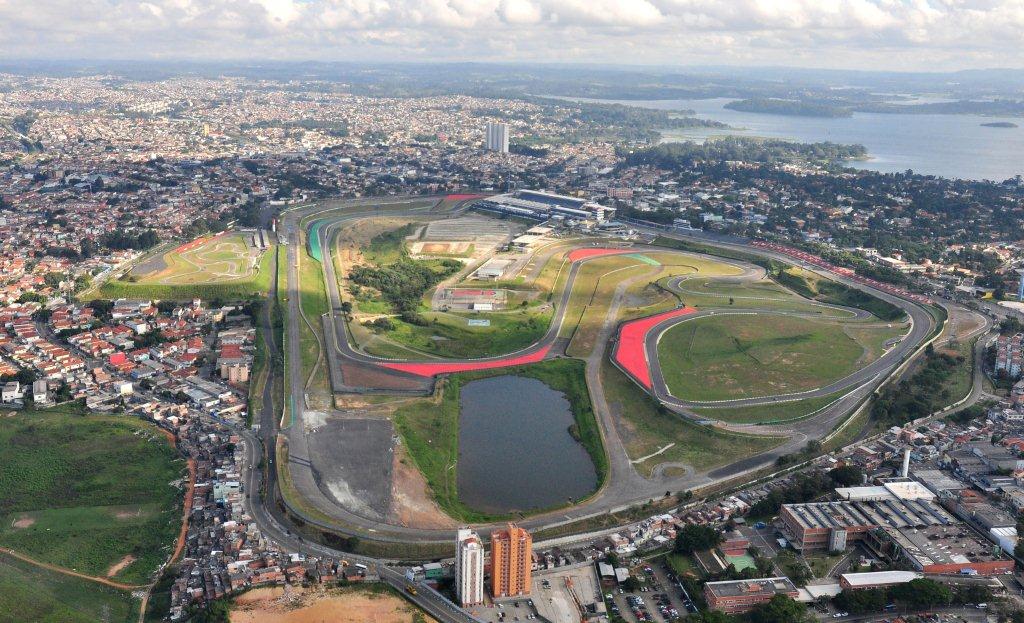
(541, 206)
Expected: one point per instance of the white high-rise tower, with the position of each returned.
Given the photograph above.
(497, 137)
(469, 568)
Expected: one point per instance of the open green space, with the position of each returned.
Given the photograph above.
(85, 492)
(448, 334)
(399, 287)
(813, 286)
(192, 278)
(430, 428)
(769, 413)
(647, 428)
(753, 355)
(313, 304)
(682, 564)
(30, 594)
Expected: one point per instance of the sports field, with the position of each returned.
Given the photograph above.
(748, 355)
(227, 265)
(89, 493)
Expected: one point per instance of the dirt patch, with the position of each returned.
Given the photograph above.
(122, 515)
(411, 504)
(120, 565)
(23, 522)
(295, 605)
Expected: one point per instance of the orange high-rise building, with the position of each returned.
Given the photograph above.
(511, 562)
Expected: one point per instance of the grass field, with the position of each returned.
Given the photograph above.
(313, 302)
(646, 428)
(448, 334)
(31, 594)
(224, 268)
(775, 412)
(85, 492)
(430, 428)
(753, 355)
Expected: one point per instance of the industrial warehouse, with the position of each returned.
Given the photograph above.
(542, 206)
(897, 521)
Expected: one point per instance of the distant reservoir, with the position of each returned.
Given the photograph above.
(515, 449)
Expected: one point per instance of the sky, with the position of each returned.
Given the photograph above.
(897, 35)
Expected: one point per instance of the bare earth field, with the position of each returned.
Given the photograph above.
(351, 605)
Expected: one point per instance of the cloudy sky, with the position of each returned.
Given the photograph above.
(873, 34)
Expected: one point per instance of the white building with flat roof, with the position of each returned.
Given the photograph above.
(469, 568)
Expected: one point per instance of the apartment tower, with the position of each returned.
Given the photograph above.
(469, 568)
(511, 562)
(497, 137)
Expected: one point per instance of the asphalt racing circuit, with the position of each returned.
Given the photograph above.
(359, 507)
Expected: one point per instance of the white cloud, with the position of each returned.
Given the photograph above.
(850, 33)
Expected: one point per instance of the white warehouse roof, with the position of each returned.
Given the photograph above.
(875, 578)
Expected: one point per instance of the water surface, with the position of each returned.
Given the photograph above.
(946, 145)
(515, 450)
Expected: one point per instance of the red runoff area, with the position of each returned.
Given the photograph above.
(630, 353)
(435, 368)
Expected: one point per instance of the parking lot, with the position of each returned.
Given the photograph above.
(659, 601)
(507, 611)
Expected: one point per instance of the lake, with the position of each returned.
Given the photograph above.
(515, 450)
(946, 145)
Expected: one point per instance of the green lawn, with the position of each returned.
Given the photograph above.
(821, 564)
(430, 428)
(448, 334)
(647, 428)
(84, 491)
(313, 302)
(740, 356)
(682, 564)
(774, 412)
(29, 594)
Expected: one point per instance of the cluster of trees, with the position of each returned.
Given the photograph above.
(697, 538)
(921, 394)
(684, 155)
(806, 487)
(919, 594)
(663, 216)
(797, 108)
(834, 293)
(120, 240)
(403, 283)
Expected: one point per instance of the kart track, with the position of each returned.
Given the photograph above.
(632, 346)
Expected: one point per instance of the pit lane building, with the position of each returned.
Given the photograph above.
(542, 206)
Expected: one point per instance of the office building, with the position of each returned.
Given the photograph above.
(469, 568)
(497, 137)
(511, 562)
(736, 596)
